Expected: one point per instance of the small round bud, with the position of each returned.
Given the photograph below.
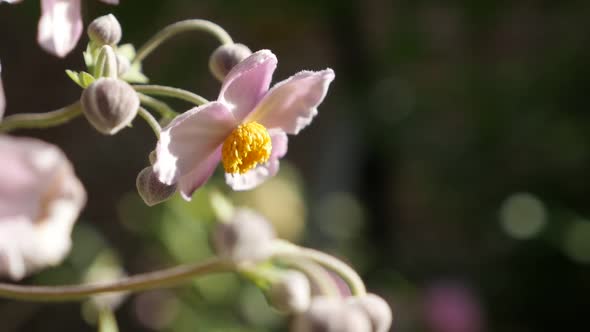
(247, 237)
(105, 30)
(109, 104)
(225, 57)
(291, 293)
(331, 314)
(151, 190)
(377, 310)
(107, 62)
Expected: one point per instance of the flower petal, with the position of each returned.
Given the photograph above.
(291, 104)
(111, 2)
(247, 82)
(190, 139)
(60, 26)
(261, 173)
(190, 182)
(40, 200)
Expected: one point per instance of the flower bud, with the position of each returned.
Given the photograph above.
(225, 57)
(331, 314)
(105, 30)
(247, 237)
(108, 62)
(376, 309)
(291, 293)
(151, 190)
(109, 104)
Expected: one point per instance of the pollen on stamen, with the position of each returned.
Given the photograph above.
(247, 146)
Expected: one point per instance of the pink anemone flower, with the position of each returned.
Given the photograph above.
(246, 128)
(40, 200)
(60, 25)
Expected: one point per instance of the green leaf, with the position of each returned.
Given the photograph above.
(74, 76)
(126, 50)
(85, 79)
(107, 321)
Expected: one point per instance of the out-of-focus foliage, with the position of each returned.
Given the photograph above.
(449, 163)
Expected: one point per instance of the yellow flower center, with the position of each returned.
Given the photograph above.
(247, 146)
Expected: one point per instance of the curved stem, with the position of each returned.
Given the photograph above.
(158, 105)
(352, 279)
(152, 280)
(178, 27)
(160, 90)
(151, 121)
(316, 274)
(41, 120)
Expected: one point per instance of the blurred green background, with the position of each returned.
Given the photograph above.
(449, 163)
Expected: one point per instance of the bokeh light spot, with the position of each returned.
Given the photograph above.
(523, 215)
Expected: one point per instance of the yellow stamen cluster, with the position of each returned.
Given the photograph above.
(247, 146)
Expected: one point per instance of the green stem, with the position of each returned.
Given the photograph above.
(160, 90)
(178, 27)
(152, 280)
(151, 121)
(158, 105)
(349, 275)
(41, 120)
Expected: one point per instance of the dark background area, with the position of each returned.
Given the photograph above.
(449, 163)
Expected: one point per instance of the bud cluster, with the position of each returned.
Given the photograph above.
(366, 313)
(247, 238)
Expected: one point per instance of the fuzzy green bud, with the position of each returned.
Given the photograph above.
(225, 57)
(290, 293)
(105, 30)
(109, 104)
(246, 237)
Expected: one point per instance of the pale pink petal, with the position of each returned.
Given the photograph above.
(40, 200)
(60, 26)
(187, 184)
(11, 1)
(261, 173)
(111, 2)
(292, 103)
(247, 82)
(2, 98)
(190, 139)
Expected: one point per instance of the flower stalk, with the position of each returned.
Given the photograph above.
(151, 280)
(179, 27)
(348, 274)
(166, 91)
(151, 121)
(41, 120)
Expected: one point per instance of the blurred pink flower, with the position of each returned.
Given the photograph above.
(40, 199)
(450, 307)
(60, 25)
(246, 128)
